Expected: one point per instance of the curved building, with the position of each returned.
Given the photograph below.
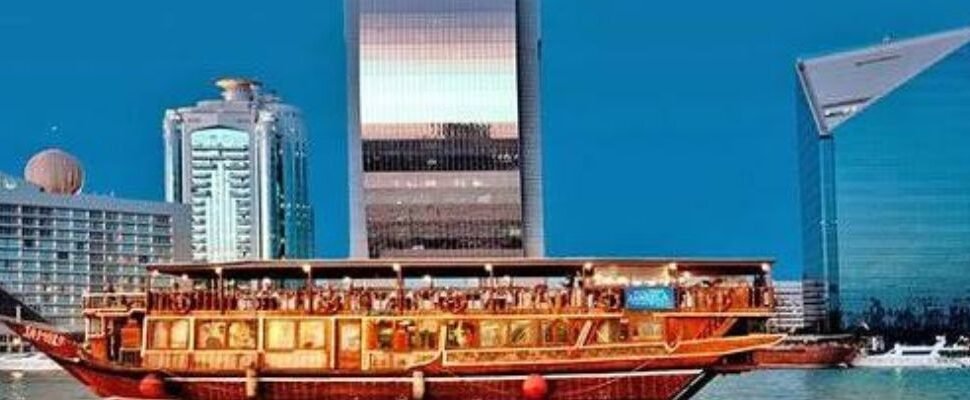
(883, 134)
(444, 137)
(241, 163)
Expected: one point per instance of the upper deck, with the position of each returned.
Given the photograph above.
(393, 315)
(468, 286)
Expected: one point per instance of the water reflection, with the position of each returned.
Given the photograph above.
(41, 386)
(842, 384)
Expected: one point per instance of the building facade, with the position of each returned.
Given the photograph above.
(799, 306)
(885, 174)
(240, 162)
(54, 247)
(444, 138)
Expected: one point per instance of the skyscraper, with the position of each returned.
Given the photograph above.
(885, 172)
(57, 243)
(444, 131)
(241, 163)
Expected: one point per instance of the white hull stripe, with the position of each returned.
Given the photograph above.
(609, 375)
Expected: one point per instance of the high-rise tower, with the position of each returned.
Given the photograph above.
(241, 163)
(444, 131)
(885, 173)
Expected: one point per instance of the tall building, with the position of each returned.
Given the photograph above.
(240, 162)
(885, 172)
(56, 244)
(444, 137)
(799, 306)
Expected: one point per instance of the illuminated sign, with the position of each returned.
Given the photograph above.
(650, 298)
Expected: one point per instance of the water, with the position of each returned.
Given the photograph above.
(849, 384)
(842, 384)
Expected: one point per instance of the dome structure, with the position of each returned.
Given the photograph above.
(55, 171)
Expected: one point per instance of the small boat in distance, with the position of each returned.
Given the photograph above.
(27, 362)
(938, 355)
(808, 352)
(443, 329)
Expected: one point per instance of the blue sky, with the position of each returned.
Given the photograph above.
(668, 127)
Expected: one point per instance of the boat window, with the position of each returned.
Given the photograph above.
(280, 334)
(221, 334)
(313, 334)
(916, 352)
(462, 335)
(168, 334)
(607, 331)
(210, 335)
(350, 337)
(424, 335)
(384, 333)
(242, 335)
(556, 332)
(494, 333)
(179, 338)
(95, 326)
(523, 333)
(649, 328)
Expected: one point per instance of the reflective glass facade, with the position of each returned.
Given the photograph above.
(222, 193)
(444, 130)
(886, 192)
(241, 163)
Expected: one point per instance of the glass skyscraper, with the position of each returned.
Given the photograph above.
(884, 144)
(444, 128)
(241, 164)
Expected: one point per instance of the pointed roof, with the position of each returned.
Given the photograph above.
(840, 86)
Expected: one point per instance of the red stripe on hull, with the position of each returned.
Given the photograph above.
(648, 387)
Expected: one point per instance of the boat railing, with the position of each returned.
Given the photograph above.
(115, 300)
(725, 298)
(511, 300)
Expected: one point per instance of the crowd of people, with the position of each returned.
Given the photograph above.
(705, 296)
(330, 300)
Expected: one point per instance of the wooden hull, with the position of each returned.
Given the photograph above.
(653, 385)
(677, 375)
(804, 356)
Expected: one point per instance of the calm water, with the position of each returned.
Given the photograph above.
(790, 385)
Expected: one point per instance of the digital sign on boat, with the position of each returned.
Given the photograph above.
(649, 298)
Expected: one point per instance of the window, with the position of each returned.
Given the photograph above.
(647, 329)
(556, 332)
(462, 335)
(424, 335)
(312, 335)
(220, 334)
(280, 334)
(169, 334)
(607, 332)
(494, 333)
(523, 333)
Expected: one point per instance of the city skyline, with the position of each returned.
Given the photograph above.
(673, 213)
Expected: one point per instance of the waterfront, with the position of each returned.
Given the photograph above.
(850, 384)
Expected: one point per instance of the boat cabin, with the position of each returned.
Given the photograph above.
(398, 315)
